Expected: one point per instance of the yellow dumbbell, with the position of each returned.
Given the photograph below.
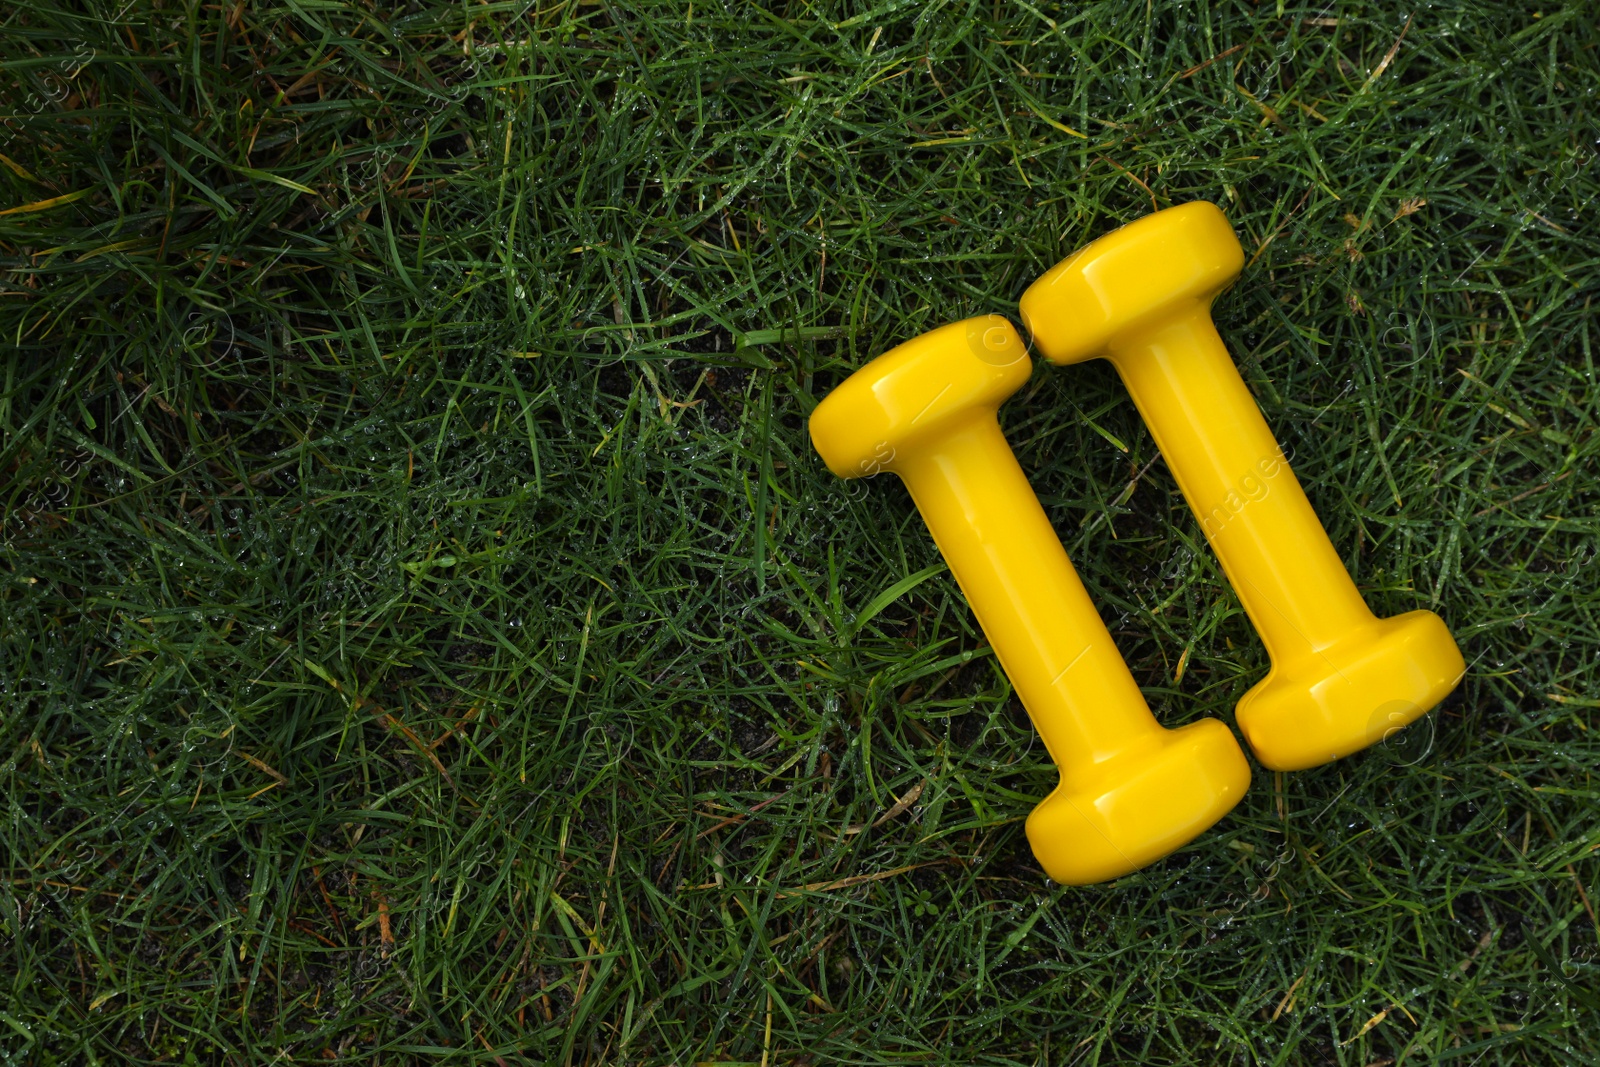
(1341, 678)
(1131, 791)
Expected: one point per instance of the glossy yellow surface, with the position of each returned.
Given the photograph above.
(1341, 678)
(1130, 791)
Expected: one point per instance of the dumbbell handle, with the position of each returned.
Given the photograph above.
(1249, 503)
(1030, 602)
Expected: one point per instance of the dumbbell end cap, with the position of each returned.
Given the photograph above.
(913, 392)
(1131, 278)
(1358, 693)
(1140, 805)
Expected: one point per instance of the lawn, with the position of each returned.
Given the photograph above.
(428, 636)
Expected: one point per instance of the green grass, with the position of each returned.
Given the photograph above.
(427, 635)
